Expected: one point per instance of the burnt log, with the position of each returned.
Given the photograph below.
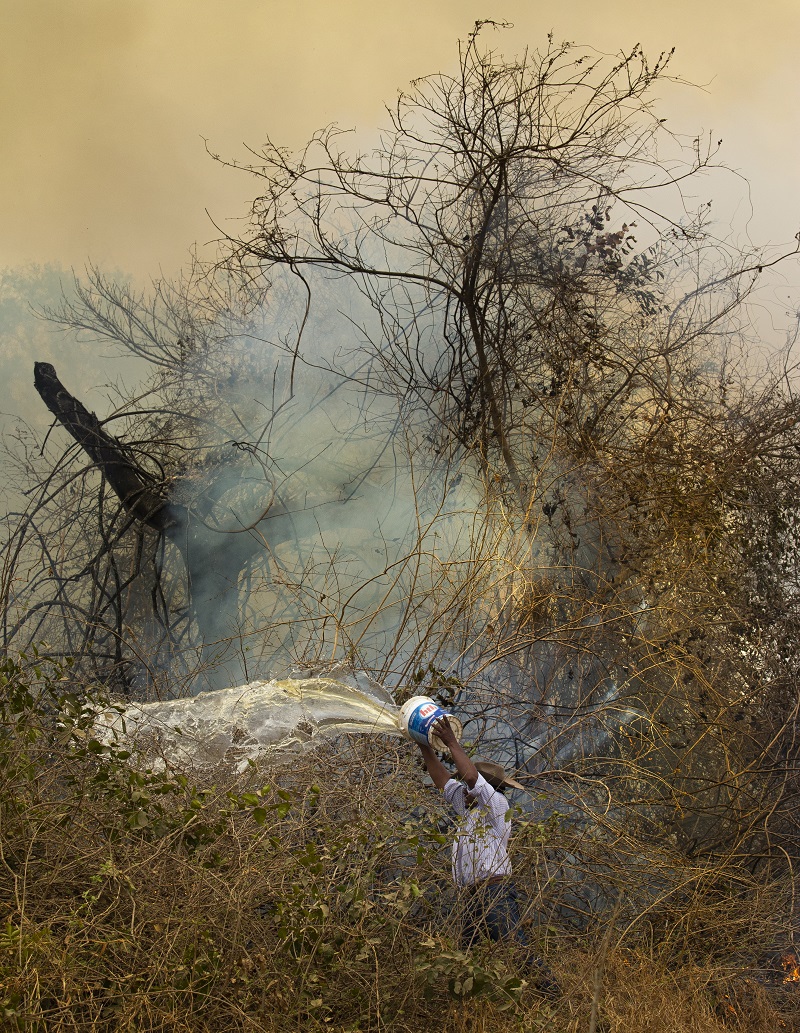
(134, 488)
(213, 558)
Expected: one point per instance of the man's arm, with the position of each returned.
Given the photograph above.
(438, 772)
(464, 765)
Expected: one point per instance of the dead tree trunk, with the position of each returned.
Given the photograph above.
(214, 560)
(131, 484)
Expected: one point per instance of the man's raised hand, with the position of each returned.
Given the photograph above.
(443, 730)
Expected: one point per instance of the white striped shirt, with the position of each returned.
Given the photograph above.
(480, 849)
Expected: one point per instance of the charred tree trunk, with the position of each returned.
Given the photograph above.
(131, 484)
(213, 559)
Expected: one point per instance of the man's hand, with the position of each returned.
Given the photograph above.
(445, 733)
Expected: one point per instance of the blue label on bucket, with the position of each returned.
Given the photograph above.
(421, 719)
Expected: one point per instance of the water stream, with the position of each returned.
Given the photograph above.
(235, 725)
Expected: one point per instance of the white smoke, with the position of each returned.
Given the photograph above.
(360, 535)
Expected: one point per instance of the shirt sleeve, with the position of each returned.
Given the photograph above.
(493, 804)
(455, 793)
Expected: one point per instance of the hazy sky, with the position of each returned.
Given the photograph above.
(106, 102)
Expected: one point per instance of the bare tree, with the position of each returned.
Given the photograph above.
(495, 231)
(542, 336)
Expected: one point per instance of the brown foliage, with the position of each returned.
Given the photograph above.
(140, 901)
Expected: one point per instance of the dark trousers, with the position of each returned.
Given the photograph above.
(492, 912)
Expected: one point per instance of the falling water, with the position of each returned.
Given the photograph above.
(236, 725)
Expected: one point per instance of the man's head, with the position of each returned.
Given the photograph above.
(496, 776)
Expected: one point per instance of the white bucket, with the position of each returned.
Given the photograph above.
(418, 714)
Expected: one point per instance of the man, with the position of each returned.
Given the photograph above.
(481, 865)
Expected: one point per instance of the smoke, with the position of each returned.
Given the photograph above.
(323, 525)
(328, 525)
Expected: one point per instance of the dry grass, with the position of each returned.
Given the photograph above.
(319, 901)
